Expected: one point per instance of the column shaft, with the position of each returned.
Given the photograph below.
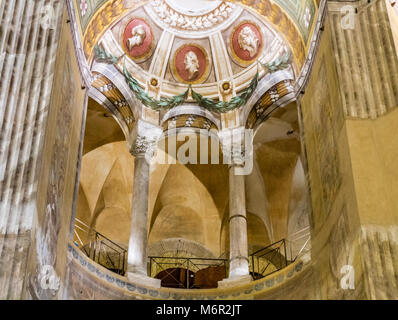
(137, 252)
(239, 260)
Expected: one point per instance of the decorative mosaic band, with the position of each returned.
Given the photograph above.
(188, 121)
(270, 99)
(109, 90)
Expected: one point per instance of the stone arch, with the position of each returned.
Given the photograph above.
(257, 235)
(102, 169)
(274, 91)
(179, 246)
(112, 216)
(119, 82)
(102, 100)
(83, 211)
(298, 226)
(175, 220)
(181, 188)
(256, 198)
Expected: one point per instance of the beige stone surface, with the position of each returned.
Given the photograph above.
(58, 171)
(326, 163)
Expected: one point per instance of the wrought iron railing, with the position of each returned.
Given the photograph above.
(100, 249)
(299, 243)
(188, 273)
(268, 260)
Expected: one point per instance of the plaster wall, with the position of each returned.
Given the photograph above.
(59, 167)
(351, 159)
(334, 221)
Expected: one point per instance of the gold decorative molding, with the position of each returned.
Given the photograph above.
(109, 90)
(105, 16)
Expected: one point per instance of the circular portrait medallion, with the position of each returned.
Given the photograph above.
(138, 40)
(190, 64)
(246, 43)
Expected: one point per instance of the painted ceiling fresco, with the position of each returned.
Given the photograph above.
(301, 12)
(220, 49)
(167, 45)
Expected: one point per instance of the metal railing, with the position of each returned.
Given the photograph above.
(299, 243)
(263, 262)
(100, 249)
(164, 268)
(268, 260)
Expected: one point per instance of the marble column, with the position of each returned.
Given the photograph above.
(142, 145)
(233, 142)
(139, 217)
(238, 249)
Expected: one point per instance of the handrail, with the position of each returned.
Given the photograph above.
(99, 233)
(273, 254)
(189, 265)
(270, 245)
(191, 258)
(97, 248)
(302, 248)
(297, 232)
(81, 222)
(302, 234)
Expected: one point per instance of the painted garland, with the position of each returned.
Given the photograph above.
(167, 103)
(223, 106)
(150, 102)
(101, 55)
(279, 63)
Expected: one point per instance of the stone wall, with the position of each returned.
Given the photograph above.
(373, 152)
(60, 165)
(87, 280)
(334, 220)
(367, 65)
(351, 158)
(28, 47)
(41, 103)
(366, 58)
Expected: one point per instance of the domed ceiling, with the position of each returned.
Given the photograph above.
(160, 48)
(292, 19)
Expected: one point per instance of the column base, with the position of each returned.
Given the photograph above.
(234, 281)
(143, 280)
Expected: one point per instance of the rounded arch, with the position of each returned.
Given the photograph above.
(274, 91)
(298, 226)
(257, 234)
(181, 247)
(175, 220)
(106, 179)
(112, 217)
(118, 81)
(182, 190)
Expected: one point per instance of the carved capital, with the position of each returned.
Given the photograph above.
(237, 146)
(143, 147)
(143, 139)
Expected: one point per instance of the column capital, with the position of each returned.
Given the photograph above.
(143, 139)
(236, 145)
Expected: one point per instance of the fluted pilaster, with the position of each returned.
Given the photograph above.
(29, 35)
(367, 64)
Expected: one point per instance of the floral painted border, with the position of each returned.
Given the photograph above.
(302, 12)
(86, 10)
